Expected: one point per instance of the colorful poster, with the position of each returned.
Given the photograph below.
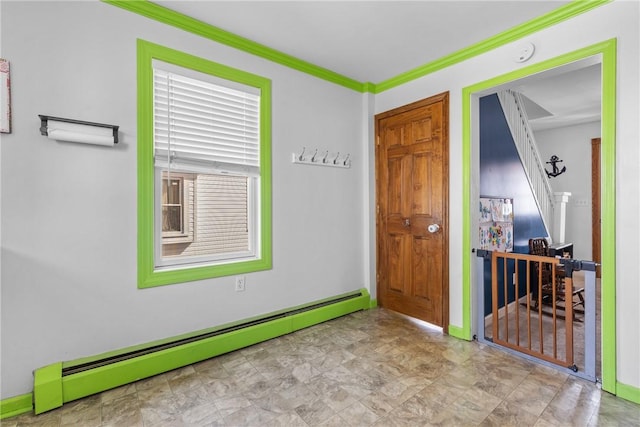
(485, 210)
(496, 224)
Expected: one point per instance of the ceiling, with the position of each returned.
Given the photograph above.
(566, 99)
(372, 41)
(369, 41)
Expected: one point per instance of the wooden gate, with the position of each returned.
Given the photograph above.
(539, 319)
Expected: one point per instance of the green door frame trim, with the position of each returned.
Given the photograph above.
(195, 26)
(148, 276)
(607, 50)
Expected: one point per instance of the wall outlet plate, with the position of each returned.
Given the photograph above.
(240, 283)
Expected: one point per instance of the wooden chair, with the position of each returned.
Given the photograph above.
(540, 247)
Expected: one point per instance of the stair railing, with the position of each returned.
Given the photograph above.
(513, 107)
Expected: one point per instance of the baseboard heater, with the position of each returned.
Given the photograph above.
(63, 382)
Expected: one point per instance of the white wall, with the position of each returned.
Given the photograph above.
(572, 144)
(69, 210)
(619, 20)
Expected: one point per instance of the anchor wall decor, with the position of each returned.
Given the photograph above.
(553, 161)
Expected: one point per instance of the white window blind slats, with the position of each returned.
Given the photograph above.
(196, 165)
(183, 140)
(198, 101)
(194, 154)
(204, 125)
(205, 136)
(205, 92)
(245, 114)
(226, 127)
(200, 85)
(178, 150)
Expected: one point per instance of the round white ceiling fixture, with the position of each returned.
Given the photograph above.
(524, 52)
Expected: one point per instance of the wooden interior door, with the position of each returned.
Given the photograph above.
(412, 185)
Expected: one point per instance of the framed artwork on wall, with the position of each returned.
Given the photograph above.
(5, 97)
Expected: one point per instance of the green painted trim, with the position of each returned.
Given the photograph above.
(466, 214)
(52, 389)
(47, 388)
(148, 276)
(194, 26)
(608, 303)
(184, 22)
(628, 392)
(322, 314)
(373, 303)
(16, 405)
(608, 281)
(201, 332)
(107, 377)
(363, 293)
(551, 18)
(458, 332)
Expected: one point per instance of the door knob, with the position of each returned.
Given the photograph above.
(407, 222)
(433, 228)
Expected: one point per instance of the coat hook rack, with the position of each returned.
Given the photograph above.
(321, 158)
(78, 131)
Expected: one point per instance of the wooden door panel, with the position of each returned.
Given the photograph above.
(421, 130)
(396, 268)
(394, 167)
(399, 167)
(412, 193)
(427, 273)
(394, 135)
(422, 185)
(421, 268)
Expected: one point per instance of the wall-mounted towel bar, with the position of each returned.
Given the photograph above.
(78, 131)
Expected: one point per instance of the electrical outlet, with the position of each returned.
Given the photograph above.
(240, 283)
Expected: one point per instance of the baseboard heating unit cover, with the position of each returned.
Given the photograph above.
(63, 382)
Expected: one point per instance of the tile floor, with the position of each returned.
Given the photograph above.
(371, 368)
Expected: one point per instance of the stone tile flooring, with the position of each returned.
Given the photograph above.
(371, 368)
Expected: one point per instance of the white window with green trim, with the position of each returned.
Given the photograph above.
(203, 156)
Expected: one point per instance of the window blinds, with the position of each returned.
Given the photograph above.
(200, 126)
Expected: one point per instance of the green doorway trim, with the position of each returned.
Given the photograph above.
(607, 51)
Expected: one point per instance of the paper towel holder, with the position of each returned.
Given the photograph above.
(45, 119)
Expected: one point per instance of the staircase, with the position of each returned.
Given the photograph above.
(513, 107)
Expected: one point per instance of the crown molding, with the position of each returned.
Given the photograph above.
(195, 26)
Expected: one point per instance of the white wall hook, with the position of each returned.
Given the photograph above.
(326, 159)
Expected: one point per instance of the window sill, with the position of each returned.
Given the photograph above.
(177, 239)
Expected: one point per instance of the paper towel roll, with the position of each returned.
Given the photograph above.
(63, 135)
(75, 132)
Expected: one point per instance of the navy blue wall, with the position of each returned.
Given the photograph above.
(502, 175)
